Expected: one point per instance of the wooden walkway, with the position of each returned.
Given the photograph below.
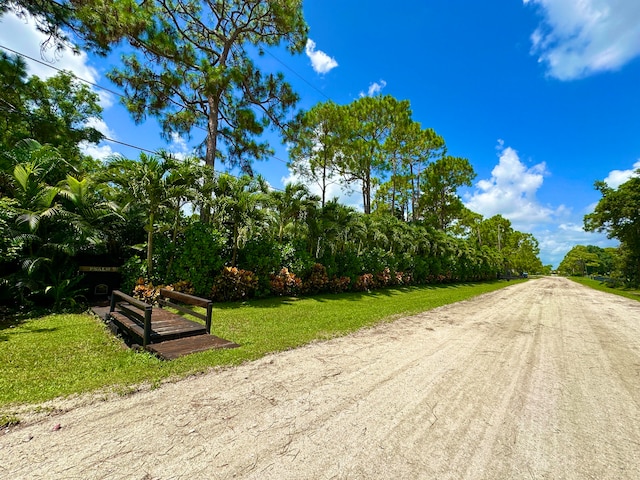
(172, 336)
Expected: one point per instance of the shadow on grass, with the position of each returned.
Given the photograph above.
(275, 302)
(11, 320)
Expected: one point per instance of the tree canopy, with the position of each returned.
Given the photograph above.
(191, 68)
(192, 64)
(618, 214)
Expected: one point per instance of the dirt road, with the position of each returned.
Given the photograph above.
(540, 380)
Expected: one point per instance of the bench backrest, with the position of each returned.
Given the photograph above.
(185, 298)
(127, 298)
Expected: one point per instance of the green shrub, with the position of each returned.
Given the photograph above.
(296, 258)
(262, 256)
(345, 264)
(132, 272)
(198, 256)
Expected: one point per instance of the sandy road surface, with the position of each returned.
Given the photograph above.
(536, 381)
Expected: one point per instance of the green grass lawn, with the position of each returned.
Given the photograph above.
(59, 355)
(597, 285)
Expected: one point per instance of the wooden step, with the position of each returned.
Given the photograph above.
(127, 325)
(171, 349)
(164, 326)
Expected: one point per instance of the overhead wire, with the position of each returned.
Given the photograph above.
(120, 95)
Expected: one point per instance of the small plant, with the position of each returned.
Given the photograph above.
(285, 283)
(64, 291)
(183, 286)
(234, 284)
(339, 284)
(147, 292)
(384, 278)
(402, 278)
(318, 280)
(8, 421)
(364, 283)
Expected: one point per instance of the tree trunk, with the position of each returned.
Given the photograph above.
(150, 247)
(210, 154)
(366, 193)
(393, 187)
(234, 257)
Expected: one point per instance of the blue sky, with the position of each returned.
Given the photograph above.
(540, 95)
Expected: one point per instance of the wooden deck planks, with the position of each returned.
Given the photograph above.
(172, 336)
(172, 349)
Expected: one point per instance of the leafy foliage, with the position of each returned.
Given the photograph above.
(58, 111)
(317, 281)
(285, 283)
(618, 214)
(200, 254)
(234, 284)
(189, 66)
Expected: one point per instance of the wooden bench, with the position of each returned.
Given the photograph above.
(166, 297)
(141, 322)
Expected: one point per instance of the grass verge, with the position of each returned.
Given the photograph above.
(60, 355)
(603, 287)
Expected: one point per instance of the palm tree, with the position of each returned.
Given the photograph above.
(239, 202)
(52, 224)
(85, 211)
(150, 183)
(290, 205)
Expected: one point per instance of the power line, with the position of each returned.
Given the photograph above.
(61, 70)
(298, 75)
(142, 149)
(153, 152)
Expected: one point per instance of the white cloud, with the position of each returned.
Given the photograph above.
(100, 152)
(578, 38)
(554, 244)
(21, 36)
(351, 197)
(178, 147)
(101, 126)
(511, 192)
(618, 177)
(374, 89)
(320, 61)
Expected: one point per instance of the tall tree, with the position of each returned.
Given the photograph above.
(239, 203)
(290, 206)
(192, 69)
(440, 204)
(523, 250)
(578, 261)
(411, 150)
(56, 111)
(367, 140)
(149, 183)
(618, 214)
(95, 25)
(316, 146)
